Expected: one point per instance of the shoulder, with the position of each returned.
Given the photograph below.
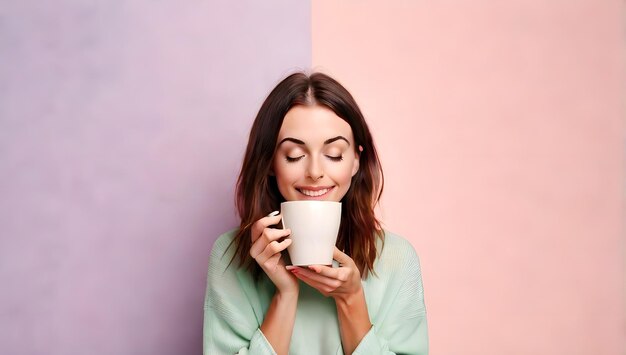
(223, 251)
(224, 241)
(230, 292)
(396, 270)
(396, 254)
(395, 240)
(397, 246)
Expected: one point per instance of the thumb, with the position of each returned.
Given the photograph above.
(341, 257)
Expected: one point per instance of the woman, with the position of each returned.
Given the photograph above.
(310, 141)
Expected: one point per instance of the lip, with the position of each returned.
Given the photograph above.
(314, 189)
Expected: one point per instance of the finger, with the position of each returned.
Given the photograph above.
(341, 257)
(270, 220)
(323, 280)
(315, 284)
(261, 224)
(269, 235)
(271, 249)
(325, 271)
(262, 244)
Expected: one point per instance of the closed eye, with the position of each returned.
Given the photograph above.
(338, 158)
(293, 159)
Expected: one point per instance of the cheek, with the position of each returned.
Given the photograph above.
(286, 174)
(342, 174)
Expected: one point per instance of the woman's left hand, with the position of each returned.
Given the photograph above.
(342, 282)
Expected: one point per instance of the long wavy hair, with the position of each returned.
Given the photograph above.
(257, 191)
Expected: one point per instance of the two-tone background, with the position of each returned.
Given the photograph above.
(500, 126)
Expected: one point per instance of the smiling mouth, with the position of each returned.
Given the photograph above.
(315, 193)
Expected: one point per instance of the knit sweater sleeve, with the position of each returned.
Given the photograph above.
(400, 327)
(230, 323)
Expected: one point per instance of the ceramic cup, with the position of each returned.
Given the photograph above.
(314, 227)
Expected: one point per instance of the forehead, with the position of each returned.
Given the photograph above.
(313, 124)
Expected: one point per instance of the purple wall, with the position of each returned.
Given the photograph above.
(122, 127)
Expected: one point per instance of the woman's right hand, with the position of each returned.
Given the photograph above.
(266, 250)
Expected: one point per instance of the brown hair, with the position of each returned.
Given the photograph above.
(257, 192)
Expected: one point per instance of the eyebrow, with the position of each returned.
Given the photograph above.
(328, 141)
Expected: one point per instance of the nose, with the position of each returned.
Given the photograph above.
(315, 170)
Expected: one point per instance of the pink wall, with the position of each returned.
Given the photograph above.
(500, 129)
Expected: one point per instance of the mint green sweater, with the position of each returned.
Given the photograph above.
(235, 306)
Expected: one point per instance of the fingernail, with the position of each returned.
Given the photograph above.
(290, 267)
(273, 214)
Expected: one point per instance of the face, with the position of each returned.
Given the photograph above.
(316, 157)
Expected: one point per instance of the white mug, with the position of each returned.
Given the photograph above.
(314, 228)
